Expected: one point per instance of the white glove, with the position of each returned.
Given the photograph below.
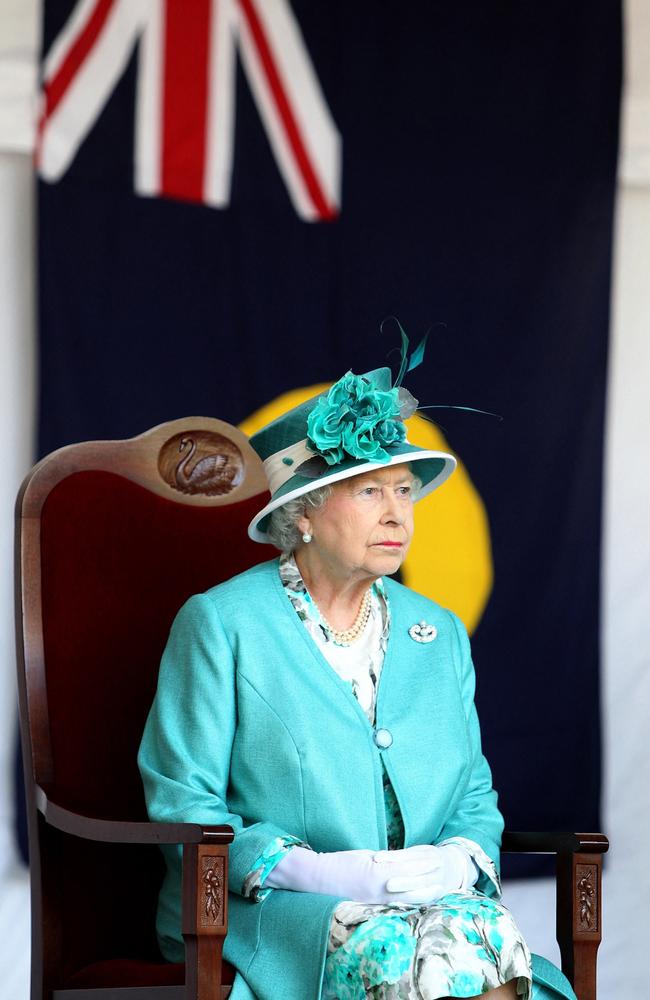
(448, 868)
(360, 876)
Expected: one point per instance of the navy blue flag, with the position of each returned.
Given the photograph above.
(235, 193)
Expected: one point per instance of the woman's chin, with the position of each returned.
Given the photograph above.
(389, 555)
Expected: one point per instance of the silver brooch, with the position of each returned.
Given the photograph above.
(423, 632)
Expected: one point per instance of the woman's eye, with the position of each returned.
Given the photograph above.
(404, 491)
(369, 491)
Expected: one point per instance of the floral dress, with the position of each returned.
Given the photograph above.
(461, 946)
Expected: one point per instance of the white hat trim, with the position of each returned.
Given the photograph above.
(450, 465)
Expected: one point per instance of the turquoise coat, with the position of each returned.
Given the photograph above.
(251, 727)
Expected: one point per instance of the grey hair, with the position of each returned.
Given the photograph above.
(283, 530)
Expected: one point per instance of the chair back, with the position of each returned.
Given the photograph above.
(113, 537)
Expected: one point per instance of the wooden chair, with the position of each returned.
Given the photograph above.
(112, 537)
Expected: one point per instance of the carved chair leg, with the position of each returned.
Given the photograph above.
(579, 882)
(205, 918)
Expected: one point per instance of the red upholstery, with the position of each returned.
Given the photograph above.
(118, 562)
(128, 973)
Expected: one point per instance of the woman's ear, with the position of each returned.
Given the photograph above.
(303, 525)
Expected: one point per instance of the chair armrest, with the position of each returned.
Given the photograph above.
(515, 842)
(205, 881)
(579, 862)
(205, 885)
(118, 832)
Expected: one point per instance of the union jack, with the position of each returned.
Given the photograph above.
(185, 100)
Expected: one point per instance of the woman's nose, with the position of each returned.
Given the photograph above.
(391, 510)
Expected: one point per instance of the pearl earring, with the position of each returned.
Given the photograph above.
(306, 538)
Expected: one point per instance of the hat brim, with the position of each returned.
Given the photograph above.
(434, 467)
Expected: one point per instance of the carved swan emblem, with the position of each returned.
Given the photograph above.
(204, 473)
(210, 464)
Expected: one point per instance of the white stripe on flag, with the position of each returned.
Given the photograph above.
(148, 108)
(221, 104)
(90, 88)
(291, 62)
(273, 125)
(318, 129)
(68, 35)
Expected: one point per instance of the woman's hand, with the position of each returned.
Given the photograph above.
(449, 869)
(353, 875)
(414, 876)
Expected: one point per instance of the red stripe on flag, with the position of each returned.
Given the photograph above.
(324, 210)
(185, 98)
(57, 86)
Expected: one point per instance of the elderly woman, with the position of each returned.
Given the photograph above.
(326, 713)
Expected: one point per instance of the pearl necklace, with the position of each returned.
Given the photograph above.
(348, 635)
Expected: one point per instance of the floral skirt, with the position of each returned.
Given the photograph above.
(461, 946)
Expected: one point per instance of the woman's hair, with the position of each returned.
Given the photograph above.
(283, 531)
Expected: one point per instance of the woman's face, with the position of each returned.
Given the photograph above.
(365, 527)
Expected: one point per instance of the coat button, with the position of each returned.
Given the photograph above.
(383, 738)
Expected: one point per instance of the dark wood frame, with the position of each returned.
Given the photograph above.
(578, 901)
(205, 849)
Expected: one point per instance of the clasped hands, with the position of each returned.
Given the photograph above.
(413, 876)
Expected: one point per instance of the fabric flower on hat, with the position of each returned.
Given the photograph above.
(355, 419)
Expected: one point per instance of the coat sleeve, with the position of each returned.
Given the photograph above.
(184, 756)
(476, 818)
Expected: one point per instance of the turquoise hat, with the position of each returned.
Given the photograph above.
(354, 427)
